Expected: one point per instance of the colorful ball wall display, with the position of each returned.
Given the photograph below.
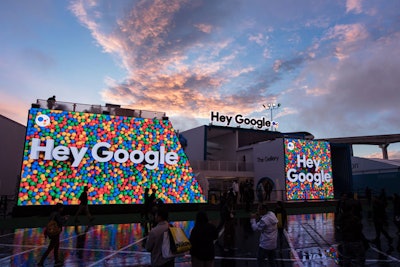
(308, 170)
(117, 157)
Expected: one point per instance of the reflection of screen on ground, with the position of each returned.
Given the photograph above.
(308, 169)
(116, 157)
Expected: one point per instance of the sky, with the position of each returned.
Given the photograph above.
(333, 66)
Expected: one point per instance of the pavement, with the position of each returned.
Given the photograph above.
(117, 240)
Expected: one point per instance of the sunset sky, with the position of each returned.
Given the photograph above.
(334, 66)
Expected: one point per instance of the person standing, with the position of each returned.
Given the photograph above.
(242, 186)
(396, 217)
(368, 195)
(281, 215)
(202, 240)
(51, 102)
(267, 224)
(268, 190)
(155, 240)
(353, 240)
(260, 192)
(83, 205)
(229, 235)
(54, 239)
(235, 188)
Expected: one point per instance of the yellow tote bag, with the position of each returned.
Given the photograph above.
(179, 241)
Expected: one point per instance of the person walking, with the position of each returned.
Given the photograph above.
(155, 240)
(267, 224)
(202, 240)
(379, 217)
(54, 237)
(83, 205)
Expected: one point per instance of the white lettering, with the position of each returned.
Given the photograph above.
(101, 153)
(78, 155)
(36, 148)
(106, 155)
(60, 153)
(317, 178)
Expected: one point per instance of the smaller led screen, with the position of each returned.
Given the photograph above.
(117, 157)
(308, 170)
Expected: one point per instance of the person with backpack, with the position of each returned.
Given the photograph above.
(53, 231)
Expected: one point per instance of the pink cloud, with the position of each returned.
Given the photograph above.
(206, 28)
(354, 6)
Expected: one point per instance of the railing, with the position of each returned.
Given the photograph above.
(99, 109)
(232, 166)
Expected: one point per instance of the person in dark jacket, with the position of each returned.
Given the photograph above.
(83, 205)
(54, 240)
(379, 217)
(281, 215)
(396, 216)
(353, 246)
(202, 240)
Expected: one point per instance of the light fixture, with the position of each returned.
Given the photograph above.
(272, 106)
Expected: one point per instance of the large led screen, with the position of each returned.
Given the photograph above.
(308, 169)
(116, 157)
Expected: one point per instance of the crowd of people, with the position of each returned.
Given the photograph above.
(270, 220)
(353, 244)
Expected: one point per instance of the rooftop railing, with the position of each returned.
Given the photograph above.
(109, 109)
(231, 166)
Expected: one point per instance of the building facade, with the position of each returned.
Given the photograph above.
(221, 155)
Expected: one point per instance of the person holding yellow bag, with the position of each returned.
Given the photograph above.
(155, 240)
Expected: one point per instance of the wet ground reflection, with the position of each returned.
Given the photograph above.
(308, 238)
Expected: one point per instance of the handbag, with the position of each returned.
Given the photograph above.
(175, 243)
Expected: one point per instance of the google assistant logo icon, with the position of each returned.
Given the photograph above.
(42, 120)
(290, 146)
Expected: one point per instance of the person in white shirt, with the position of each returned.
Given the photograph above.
(235, 187)
(267, 224)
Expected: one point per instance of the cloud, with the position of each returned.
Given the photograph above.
(172, 61)
(259, 39)
(379, 155)
(190, 57)
(348, 38)
(360, 92)
(206, 28)
(354, 6)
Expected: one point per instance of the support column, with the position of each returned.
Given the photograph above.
(384, 151)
